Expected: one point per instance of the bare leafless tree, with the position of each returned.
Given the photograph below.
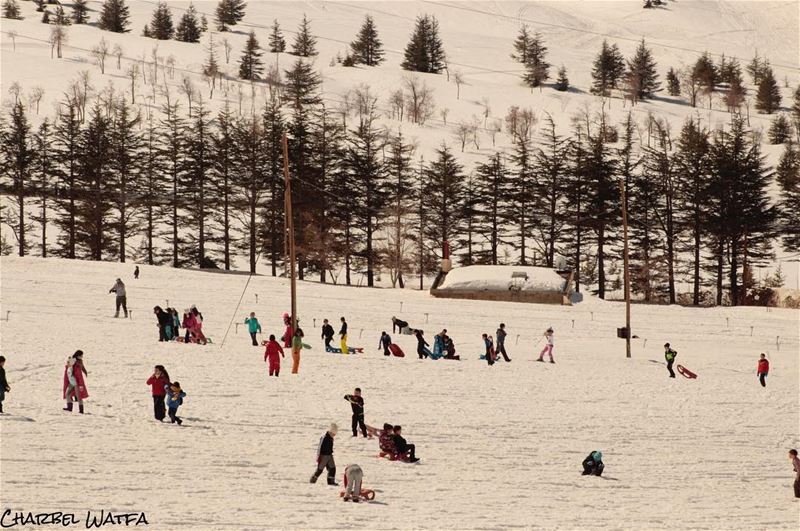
(520, 122)
(100, 53)
(15, 89)
(463, 132)
(419, 99)
(117, 52)
(458, 79)
(133, 74)
(226, 45)
(35, 97)
(495, 127)
(170, 63)
(187, 87)
(443, 113)
(487, 109)
(13, 36)
(345, 106)
(473, 129)
(397, 101)
(58, 37)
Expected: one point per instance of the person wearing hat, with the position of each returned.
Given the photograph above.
(74, 384)
(548, 348)
(122, 300)
(353, 475)
(763, 369)
(593, 464)
(253, 326)
(325, 456)
(669, 355)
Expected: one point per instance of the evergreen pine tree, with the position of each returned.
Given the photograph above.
(577, 194)
(444, 192)
(229, 13)
(161, 24)
(757, 68)
(521, 45)
(642, 72)
(491, 191)
(11, 10)
(250, 180)
(18, 156)
(562, 83)
(551, 176)
(734, 97)
(780, 131)
(692, 169)
(199, 183)
(705, 73)
(61, 18)
(401, 195)
(80, 12)
(223, 170)
(522, 194)
(536, 68)
(424, 52)
(768, 96)
(125, 145)
(274, 128)
(277, 44)
(367, 49)
(305, 44)
(250, 65)
(788, 177)
(172, 147)
(607, 69)
(673, 84)
(188, 27)
(114, 16)
(67, 146)
(152, 191)
(44, 173)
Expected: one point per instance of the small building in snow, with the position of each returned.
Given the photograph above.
(530, 284)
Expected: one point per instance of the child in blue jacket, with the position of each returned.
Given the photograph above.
(174, 399)
(253, 326)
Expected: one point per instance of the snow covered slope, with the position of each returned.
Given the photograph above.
(501, 446)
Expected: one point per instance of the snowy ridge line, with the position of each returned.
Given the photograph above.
(598, 33)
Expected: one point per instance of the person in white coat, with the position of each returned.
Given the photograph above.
(119, 289)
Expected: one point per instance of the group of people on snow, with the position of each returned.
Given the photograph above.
(169, 325)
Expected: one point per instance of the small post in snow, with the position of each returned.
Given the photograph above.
(256, 298)
(778, 342)
(8, 313)
(315, 322)
(361, 332)
(517, 341)
(237, 328)
(592, 315)
(727, 322)
(573, 323)
(426, 318)
(167, 303)
(130, 315)
(751, 331)
(645, 343)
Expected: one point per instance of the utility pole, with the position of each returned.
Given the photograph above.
(627, 273)
(287, 200)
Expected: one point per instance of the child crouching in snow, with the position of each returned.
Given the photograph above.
(352, 483)
(175, 400)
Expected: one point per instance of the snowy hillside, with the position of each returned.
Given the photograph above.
(501, 446)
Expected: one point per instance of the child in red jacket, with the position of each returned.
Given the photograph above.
(271, 354)
(763, 369)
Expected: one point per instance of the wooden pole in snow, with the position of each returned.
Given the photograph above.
(627, 274)
(290, 229)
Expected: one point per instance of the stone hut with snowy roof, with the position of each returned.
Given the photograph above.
(530, 284)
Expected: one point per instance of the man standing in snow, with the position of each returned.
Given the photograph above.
(763, 369)
(122, 300)
(325, 456)
(385, 342)
(357, 404)
(796, 466)
(501, 342)
(343, 334)
(327, 334)
(136, 272)
(669, 355)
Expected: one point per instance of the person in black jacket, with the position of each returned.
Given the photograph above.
(357, 403)
(325, 456)
(404, 449)
(327, 334)
(164, 319)
(593, 464)
(399, 325)
(4, 388)
(422, 351)
(385, 342)
(501, 341)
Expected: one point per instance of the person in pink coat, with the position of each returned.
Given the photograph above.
(74, 384)
(189, 323)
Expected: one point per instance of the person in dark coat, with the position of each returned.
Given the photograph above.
(164, 320)
(327, 334)
(501, 342)
(357, 404)
(136, 272)
(421, 345)
(593, 464)
(4, 388)
(325, 456)
(399, 325)
(385, 342)
(404, 449)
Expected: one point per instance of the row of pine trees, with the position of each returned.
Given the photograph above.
(192, 189)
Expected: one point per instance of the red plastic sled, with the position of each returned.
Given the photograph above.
(397, 351)
(686, 372)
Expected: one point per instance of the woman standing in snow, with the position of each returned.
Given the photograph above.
(159, 382)
(548, 348)
(74, 384)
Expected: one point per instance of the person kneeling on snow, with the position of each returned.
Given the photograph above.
(325, 456)
(352, 483)
(404, 450)
(593, 464)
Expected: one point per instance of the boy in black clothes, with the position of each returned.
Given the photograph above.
(385, 343)
(403, 448)
(325, 456)
(4, 388)
(357, 403)
(327, 333)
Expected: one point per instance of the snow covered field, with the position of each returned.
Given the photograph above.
(501, 446)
